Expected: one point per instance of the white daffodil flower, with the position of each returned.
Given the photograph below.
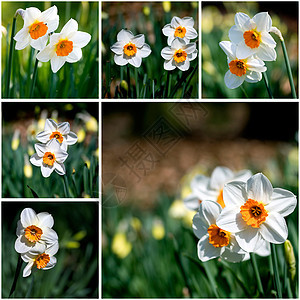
(182, 28)
(248, 69)
(252, 36)
(255, 212)
(211, 188)
(37, 26)
(60, 131)
(49, 157)
(64, 46)
(213, 240)
(130, 49)
(44, 259)
(34, 231)
(179, 55)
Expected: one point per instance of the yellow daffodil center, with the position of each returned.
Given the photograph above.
(253, 213)
(220, 199)
(252, 38)
(57, 135)
(33, 233)
(64, 47)
(49, 158)
(42, 260)
(37, 29)
(180, 56)
(130, 49)
(217, 236)
(238, 67)
(180, 32)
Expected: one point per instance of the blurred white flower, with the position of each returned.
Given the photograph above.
(37, 26)
(179, 55)
(130, 49)
(49, 157)
(64, 46)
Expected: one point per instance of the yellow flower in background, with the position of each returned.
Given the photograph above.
(27, 167)
(178, 210)
(91, 122)
(15, 140)
(81, 135)
(166, 6)
(158, 229)
(120, 245)
(136, 223)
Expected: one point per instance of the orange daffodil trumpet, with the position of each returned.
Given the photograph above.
(64, 46)
(179, 55)
(130, 49)
(248, 69)
(254, 211)
(182, 28)
(37, 242)
(37, 26)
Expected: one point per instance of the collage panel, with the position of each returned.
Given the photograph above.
(150, 51)
(50, 50)
(199, 200)
(50, 150)
(250, 50)
(50, 249)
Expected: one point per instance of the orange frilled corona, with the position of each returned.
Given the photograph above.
(252, 38)
(130, 49)
(217, 236)
(180, 56)
(42, 260)
(57, 135)
(38, 29)
(49, 158)
(238, 67)
(64, 47)
(253, 213)
(180, 32)
(33, 233)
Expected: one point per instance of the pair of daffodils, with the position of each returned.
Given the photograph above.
(63, 47)
(238, 214)
(37, 242)
(131, 49)
(250, 45)
(51, 154)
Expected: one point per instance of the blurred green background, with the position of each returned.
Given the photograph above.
(20, 126)
(76, 272)
(148, 247)
(218, 18)
(146, 18)
(76, 80)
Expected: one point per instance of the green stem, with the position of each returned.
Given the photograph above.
(128, 82)
(18, 270)
(166, 91)
(33, 78)
(10, 57)
(31, 286)
(276, 271)
(74, 184)
(288, 68)
(244, 91)
(267, 84)
(153, 89)
(211, 279)
(137, 83)
(255, 268)
(66, 186)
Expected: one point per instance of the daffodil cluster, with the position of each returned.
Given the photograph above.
(37, 242)
(131, 49)
(250, 45)
(238, 213)
(52, 151)
(39, 26)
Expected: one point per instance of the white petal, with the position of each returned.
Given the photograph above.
(43, 137)
(81, 39)
(46, 54)
(28, 217)
(40, 149)
(46, 170)
(219, 177)
(170, 39)
(36, 160)
(169, 65)
(191, 33)
(138, 40)
(145, 51)
(22, 245)
(231, 256)
(207, 251)
(71, 138)
(229, 49)
(31, 14)
(135, 61)
(274, 229)
(178, 43)
(50, 125)
(45, 219)
(282, 202)
(27, 269)
(175, 22)
(20, 228)
(243, 51)
(240, 19)
(52, 24)
(234, 193)
(61, 155)
(249, 239)
(48, 14)
(256, 65)
(235, 34)
(266, 53)
(57, 62)
(118, 48)
(168, 30)
(52, 249)
(268, 39)
(264, 249)
(190, 48)
(63, 128)
(187, 22)
(193, 55)
(232, 81)
(49, 236)
(167, 53)
(200, 186)
(242, 175)
(259, 188)
(51, 263)
(231, 220)
(253, 77)
(183, 66)
(192, 202)
(200, 226)
(263, 21)
(120, 60)
(23, 39)
(60, 168)
(209, 211)
(70, 26)
(125, 36)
